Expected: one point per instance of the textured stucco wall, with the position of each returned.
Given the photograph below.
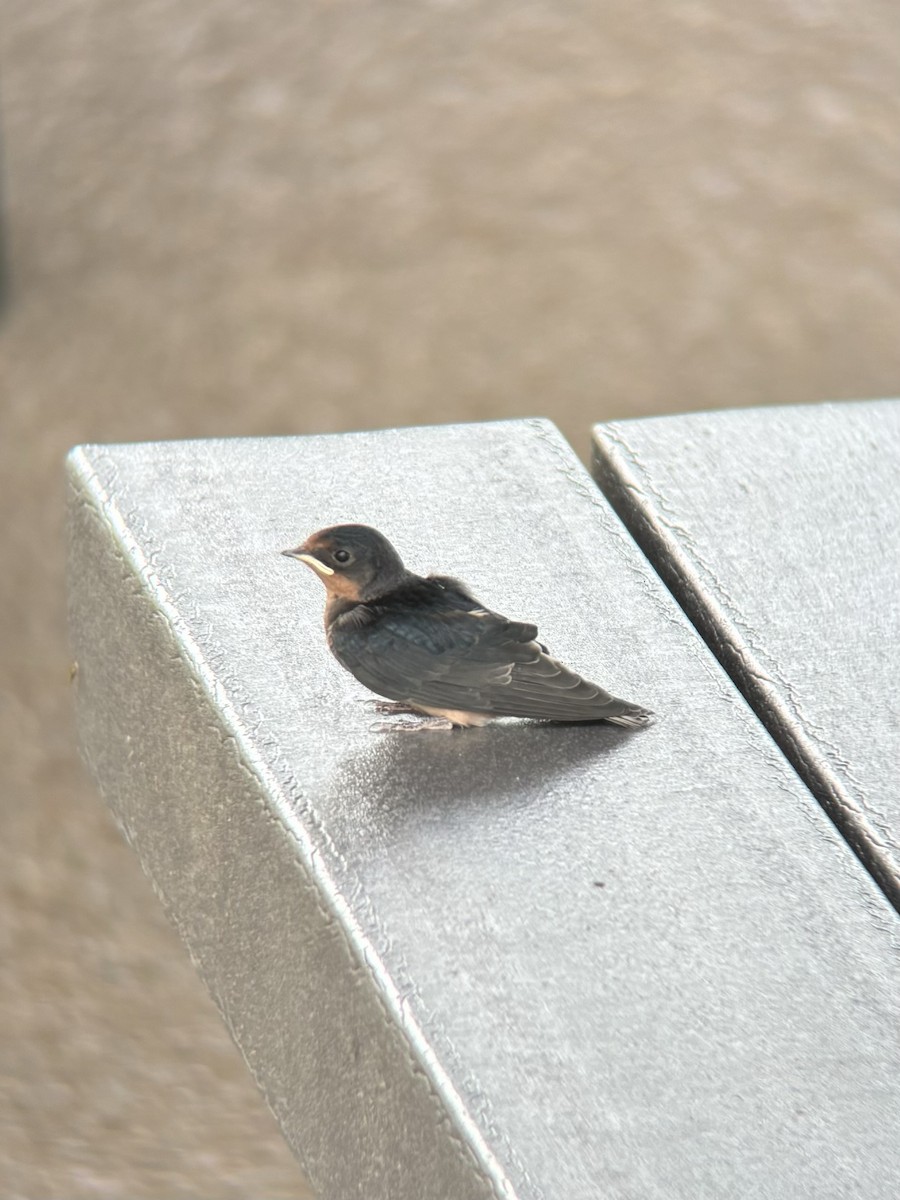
(275, 217)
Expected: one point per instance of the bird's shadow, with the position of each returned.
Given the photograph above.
(398, 778)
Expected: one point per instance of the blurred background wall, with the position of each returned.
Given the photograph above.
(280, 216)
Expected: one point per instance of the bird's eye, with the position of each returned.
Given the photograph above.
(341, 556)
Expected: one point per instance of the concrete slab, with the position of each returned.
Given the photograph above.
(778, 530)
(524, 961)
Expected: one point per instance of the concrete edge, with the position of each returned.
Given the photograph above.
(480, 1173)
(618, 475)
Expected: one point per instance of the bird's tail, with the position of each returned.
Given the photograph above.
(634, 717)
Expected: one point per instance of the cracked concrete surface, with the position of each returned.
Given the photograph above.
(259, 219)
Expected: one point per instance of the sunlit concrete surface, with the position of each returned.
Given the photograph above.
(779, 532)
(524, 962)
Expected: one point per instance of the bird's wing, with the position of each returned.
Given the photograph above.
(473, 661)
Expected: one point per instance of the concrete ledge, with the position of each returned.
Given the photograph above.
(524, 961)
(778, 531)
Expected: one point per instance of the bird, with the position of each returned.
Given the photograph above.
(427, 645)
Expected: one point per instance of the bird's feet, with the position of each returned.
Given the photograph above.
(406, 719)
(413, 723)
(390, 708)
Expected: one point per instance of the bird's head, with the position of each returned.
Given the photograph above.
(354, 562)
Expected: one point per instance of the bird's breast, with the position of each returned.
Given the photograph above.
(457, 716)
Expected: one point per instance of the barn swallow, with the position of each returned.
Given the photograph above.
(429, 644)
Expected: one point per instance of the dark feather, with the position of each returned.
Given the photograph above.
(430, 643)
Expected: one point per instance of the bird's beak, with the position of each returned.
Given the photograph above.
(310, 560)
